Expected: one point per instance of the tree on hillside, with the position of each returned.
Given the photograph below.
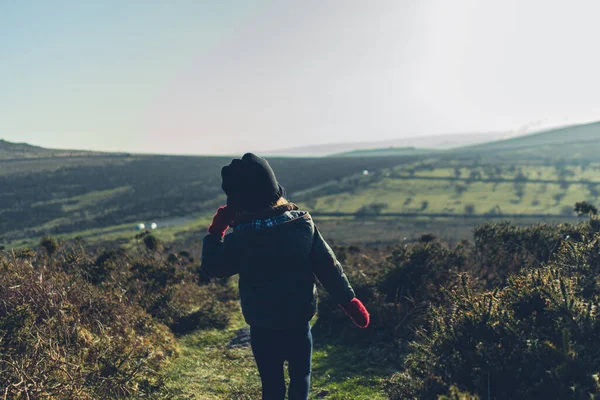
(373, 208)
(457, 172)
(558, 197)
(520, 176)
(519, 186)
(584, 208)
(474, 175)
(460, 189)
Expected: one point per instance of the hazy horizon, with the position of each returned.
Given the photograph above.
(198, 77)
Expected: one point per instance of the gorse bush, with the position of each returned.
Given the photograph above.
(164, 284)
(534, 336)
(513, 315)
(78, 325)
(61, 337)
(456, 394)
(397, 295)
(502, 249)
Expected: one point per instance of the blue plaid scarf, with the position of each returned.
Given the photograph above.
(257, 224)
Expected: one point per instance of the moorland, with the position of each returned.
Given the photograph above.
(478, 268)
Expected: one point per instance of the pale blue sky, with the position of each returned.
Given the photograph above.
(215, 77)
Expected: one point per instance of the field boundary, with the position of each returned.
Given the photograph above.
(493, 180)
(443, 215)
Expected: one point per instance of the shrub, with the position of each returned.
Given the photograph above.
(397, 290)
(363, 268)
(460, 189)
(77, 324)
(63, 338)
(535, 338)
(373, 208)
(49, 244)
(198, 307)
(584, 208)
(456, 394)
(502, 248)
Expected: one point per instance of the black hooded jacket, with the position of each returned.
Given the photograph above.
(277, 259)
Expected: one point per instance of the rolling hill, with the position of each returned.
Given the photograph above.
(569, 142)
(44, 193)
(573, 142)
(18, 151)
(69, 193)
(389, 151)
(437, 142)
(9, 150)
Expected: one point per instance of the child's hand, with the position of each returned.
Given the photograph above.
(221, 221)
(357, 312)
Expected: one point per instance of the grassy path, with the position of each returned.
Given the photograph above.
(209, 368)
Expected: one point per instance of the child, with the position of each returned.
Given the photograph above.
(277, 251)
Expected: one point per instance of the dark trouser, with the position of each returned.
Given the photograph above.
(271, 347)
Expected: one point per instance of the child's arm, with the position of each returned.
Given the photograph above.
(219, 257)
(330, 273)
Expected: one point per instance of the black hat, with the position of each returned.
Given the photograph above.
(250, 183)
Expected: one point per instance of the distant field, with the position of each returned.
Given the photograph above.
(491, 190)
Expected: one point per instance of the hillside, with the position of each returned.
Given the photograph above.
(75, 195)
(570, 142)
(16, 151)
(103, 197)
(438, 142)
(9, 150)
(388, 151)
(459, 191)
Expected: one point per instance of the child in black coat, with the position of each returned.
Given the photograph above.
(278, 252)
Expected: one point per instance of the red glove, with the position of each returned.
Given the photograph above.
(221, 221)
(357, 312)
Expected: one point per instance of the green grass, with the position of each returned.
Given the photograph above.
(77, 203)
(122, 233)
(208, 369)
(89, 199)
(403, 195)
